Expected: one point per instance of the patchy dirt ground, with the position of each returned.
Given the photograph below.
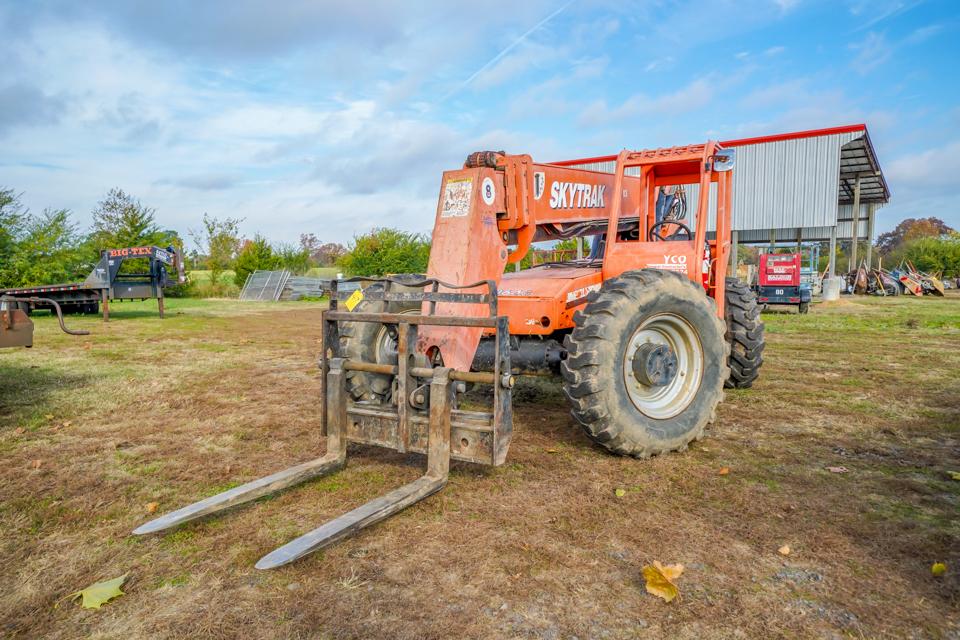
(93, 429)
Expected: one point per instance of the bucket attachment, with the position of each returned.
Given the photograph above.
(423, 417)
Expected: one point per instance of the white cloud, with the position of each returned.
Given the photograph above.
(931, 169)
(872, 52)
(786, 6)
(776, 95)
(922, 34)
(693, 96)
(658, 63)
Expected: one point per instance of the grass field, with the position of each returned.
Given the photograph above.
(93, 429)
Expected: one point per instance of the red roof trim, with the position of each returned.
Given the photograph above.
(811, 133)
(777, 137)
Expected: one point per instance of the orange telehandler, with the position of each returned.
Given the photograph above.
(646, 330)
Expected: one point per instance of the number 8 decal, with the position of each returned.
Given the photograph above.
(488, 191)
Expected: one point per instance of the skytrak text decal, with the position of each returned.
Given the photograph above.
(567, 195)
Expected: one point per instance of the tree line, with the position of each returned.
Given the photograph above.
(49, 247)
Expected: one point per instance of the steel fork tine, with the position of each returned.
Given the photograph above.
(247, 492)
(438, 471)
(334, 460)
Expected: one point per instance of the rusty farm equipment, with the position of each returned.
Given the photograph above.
(16, 328)
(904, 279)
(646, 331)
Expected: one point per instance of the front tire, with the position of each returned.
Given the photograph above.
(744, 334)
(655, 317)
(375, 343)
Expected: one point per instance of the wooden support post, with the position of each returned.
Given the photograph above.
(871, 210)
(105, 303)
(160, 301)
(855, 230)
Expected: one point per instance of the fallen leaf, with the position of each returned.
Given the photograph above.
(837, 469)
(36, 464)
(660, 579)
(98, 594)
(48, 416)
(551, 450)
(67, 423)
(19, 430)
(784, 550)
(152, 506)
(955, 475)
(938, 569)
(724, 471)
(620, 493)
(86, 345)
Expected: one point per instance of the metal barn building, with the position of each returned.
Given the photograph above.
(800, 186)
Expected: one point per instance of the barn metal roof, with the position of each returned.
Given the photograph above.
(793, 180)
(857, 157)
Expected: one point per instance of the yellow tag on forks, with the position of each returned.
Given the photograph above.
(354, 299)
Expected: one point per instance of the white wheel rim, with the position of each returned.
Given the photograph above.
(385, 346)
(672, 331)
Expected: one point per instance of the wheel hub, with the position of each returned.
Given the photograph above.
(663, 365)
(654, 365)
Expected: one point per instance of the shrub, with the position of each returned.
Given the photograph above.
(385, 251)
(255, 254)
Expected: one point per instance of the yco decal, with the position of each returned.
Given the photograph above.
(671, 263)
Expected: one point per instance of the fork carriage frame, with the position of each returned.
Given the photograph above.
(422, 419)
(479, 437)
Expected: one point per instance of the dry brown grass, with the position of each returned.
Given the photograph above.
(540, 548)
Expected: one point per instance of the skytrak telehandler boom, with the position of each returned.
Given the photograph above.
(646, 331)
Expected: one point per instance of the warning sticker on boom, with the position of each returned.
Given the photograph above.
(456, 198)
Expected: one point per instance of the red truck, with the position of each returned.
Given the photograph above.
(778, 281)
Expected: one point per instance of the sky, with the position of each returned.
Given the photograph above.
(332, 118)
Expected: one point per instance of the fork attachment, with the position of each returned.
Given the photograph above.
(418, 420)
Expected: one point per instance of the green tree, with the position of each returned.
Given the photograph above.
(292, 258)
(934, 255)
(908, 230)
(255, 254)
(220, 241)
(322, 254)
(385, 251)
(12, 219)
(50, 251)
(120, 220)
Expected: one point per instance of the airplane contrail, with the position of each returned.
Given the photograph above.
(505, 51)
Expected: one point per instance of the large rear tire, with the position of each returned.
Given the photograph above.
(744, 334)
(374, 343)
(666, 323)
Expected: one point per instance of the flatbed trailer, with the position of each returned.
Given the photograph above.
(107, 283)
